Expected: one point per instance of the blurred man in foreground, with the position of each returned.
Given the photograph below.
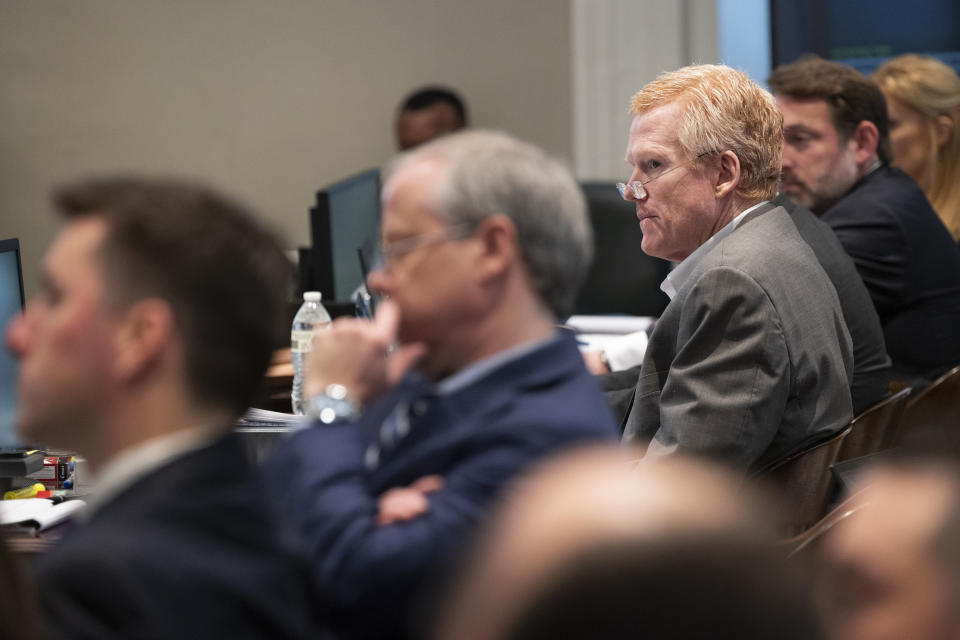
(590, 547)
(154, 325)
(893, 566)
(484, 242)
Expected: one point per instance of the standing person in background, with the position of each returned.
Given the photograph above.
(428, 113)
(923, 100)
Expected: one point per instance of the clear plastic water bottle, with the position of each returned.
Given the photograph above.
(310, 317)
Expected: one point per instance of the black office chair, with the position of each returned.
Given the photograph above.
(622, 278)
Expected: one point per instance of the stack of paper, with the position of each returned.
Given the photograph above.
(612, 324)
(33, 515)
(263, 418)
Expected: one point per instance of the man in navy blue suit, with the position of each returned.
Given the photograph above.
(484, 242)
(836, 159)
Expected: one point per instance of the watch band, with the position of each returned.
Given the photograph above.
(332, 406)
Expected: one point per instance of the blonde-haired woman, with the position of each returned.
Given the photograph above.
(923, 99)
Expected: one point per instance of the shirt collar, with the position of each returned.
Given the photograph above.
(474, 372)
(138, 461)
(682, 271)
(876, 165)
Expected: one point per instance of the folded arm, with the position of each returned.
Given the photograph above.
(357, 558)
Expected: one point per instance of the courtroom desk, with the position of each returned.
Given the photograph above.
(280, 363)
(274, 393)
(30, 546)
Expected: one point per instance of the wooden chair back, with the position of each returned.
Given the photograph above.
(875, 429)
(936, 406)
(807, 544)
(804, 481)
(809, 552)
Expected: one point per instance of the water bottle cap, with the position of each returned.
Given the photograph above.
(311, 296)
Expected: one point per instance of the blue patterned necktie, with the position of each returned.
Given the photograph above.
(397, 425)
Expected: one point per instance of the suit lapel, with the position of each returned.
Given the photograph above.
(446, 420)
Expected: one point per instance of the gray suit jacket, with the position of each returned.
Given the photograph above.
(751, 360)
(871, 365)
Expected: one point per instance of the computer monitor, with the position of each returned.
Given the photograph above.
(11, 304)
(622, 279)
(345, 217)
(864, 33)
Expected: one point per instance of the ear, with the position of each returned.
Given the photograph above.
(499, 250)
(729, 176)
(144, 333)
(943, 127)
(865, 140)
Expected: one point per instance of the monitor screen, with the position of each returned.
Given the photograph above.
(622, 279)
(346, 216)
(864, 33)
(11, 304)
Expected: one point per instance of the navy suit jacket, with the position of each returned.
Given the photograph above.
(189, 551)
(477, 438)
(910, 265)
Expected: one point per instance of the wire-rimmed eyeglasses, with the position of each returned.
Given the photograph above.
(391, 252)
(638, 189)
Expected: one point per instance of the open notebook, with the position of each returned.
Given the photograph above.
(33, 515)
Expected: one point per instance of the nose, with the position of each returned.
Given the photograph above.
(787, 160)
(378, 281)
(629, 194)
(643, 190)
(17, 334)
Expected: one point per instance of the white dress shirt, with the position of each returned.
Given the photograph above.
(627, 351)
(133, 463)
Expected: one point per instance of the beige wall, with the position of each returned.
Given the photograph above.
(267, 100)
(618, 46)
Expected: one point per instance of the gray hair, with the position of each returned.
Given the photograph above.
(489, 172)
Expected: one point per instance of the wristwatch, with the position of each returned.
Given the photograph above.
(332, 406)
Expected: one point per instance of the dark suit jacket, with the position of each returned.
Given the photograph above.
(477, 438)
(910, 265)
(186, 552)
(751, 360)
(871, 365)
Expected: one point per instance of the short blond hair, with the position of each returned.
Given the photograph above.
(931, 88)
(723, 110)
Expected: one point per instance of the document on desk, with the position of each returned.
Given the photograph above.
(261, 417)
(610, 324)
(33, 515)
(623, 339)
